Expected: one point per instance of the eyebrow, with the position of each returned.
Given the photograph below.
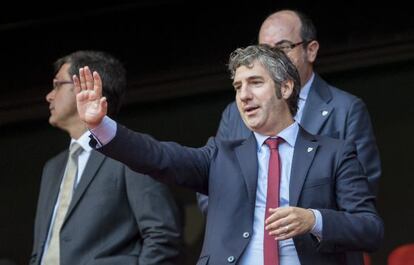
(250, 78)
(254, 77)
(236, 83)
(283, 41)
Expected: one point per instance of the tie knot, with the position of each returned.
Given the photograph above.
(273, 143)
(75, 149)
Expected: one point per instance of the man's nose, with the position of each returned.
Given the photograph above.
(50, 95)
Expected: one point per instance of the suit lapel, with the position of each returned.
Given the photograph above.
(94, 162)
(317, 108)
(247, 157)
(305, 150)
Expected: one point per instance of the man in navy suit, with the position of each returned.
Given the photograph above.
(326, 207)
(323, 109)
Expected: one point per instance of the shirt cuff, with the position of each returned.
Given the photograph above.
(104, 132)
(317, 227)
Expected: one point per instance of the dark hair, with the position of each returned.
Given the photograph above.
(277, 64)
(308, 30)
(110, 69)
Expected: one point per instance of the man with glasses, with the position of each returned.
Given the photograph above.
(322, 108)
(91, 208)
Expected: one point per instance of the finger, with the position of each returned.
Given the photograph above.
(278, 224)
(282, 230)
(285, 236)
(272, 210)
(76, 83)
(103, 106)
(276, 214)
(88, 78)
(82, 78)
(97, 84)
(80, 97)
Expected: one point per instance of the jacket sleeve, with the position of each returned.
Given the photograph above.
(158, 219)
(355, 224)
(359, 129)
(223, 132)
(168, 162)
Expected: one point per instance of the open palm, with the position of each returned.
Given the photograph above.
(92, 107)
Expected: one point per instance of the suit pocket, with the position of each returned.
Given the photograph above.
(311, 183)
(203, 260)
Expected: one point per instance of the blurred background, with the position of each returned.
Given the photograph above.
(175, 53)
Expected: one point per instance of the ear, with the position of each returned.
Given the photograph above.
(312, 50)
(287, 89)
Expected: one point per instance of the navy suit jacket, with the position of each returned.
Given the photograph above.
(325, 175)
(111, 218)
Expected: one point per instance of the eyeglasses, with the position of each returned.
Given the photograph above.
(286, 46)
(58, 83)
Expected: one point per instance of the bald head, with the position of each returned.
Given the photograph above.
(295, 34)
(282, 25)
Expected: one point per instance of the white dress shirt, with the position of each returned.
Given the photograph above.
(287, 251)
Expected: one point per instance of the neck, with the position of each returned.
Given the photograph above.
(306, 77)
(77, 131)
(280, 126)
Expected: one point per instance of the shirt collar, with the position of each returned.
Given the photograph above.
(83, 141)
(304, 91)
(288, 134)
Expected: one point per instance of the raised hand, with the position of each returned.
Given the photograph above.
(92, 107)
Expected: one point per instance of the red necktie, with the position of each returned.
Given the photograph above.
(270, 245)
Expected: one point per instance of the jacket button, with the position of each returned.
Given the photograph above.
(246, 235)
(230, 259)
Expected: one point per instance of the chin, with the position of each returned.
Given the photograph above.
(52, 122)
(251, 127)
